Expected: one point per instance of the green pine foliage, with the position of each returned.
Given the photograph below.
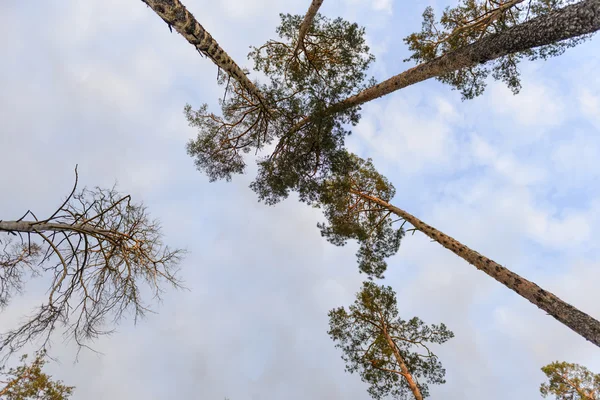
(29, 382)
(331, 67)
(472, 20)
(349, 216)
(362, 333)
(568, 381)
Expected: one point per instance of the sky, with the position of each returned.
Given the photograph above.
(102, 84)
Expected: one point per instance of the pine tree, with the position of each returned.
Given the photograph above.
(361, 199)
(570, 381)
(392, 355)
(474, 20)
(29, 382)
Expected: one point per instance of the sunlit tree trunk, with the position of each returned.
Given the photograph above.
(306, 23)
(570, 316)
(412, 384)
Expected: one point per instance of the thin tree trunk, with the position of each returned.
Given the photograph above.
(575, 20)
(570, 316)
(306, 23)
(176, 15)
(405, 372)
(41, 226)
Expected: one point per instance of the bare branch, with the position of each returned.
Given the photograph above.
(100, 249)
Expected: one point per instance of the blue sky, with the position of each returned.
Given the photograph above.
(102, 84)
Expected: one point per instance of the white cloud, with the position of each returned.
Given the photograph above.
(505, 164)
(414, 142)
(376, 5)
(537, 107)
(590, 105)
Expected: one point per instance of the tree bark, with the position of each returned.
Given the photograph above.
(176, 15)
(405, 372)
(306, 23)
(575, 20)
(570, 316)
(35, 227)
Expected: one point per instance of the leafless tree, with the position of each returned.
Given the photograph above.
(99, 249)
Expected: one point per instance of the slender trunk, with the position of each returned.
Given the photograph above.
(570, 316)
(405, 372)
(306, 23)
(41, 226)
(176, 15)
(568, 22)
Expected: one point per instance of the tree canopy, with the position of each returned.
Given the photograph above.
(332, 67)
(99, 250)
(29, 382)
(314, 98)
(567, 381)
(391, 354)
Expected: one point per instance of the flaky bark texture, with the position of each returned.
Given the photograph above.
(177, 16)
(403, 368)
(306, 23)
(570, 316)
(568, 22)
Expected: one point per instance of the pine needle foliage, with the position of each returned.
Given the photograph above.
(473, 20)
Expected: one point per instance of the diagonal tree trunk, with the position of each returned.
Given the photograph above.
(42, 226)
(176, 15)
(412, 384)
(570, 316)
(306, 23)
(568, 22)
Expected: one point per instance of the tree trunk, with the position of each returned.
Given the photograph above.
(568, 22)
(306, 23)
(570, 316)
(405, 372)
(176, 15)
(41, 226)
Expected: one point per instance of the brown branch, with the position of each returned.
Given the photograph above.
(484, 19)
(26, 373)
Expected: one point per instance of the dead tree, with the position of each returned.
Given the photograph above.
(98, 249)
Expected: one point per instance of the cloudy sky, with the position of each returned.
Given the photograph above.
(102, 84)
